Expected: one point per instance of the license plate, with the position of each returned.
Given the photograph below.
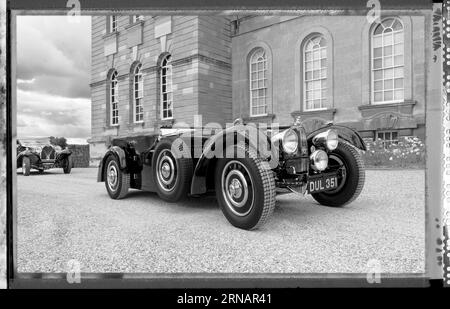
(322, 183)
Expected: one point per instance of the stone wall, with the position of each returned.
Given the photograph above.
(80, 155)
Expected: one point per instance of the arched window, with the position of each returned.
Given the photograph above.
(258, 83)
(387, 62)
(166, 88)
(114, 100)
(315, 73)
(138, 94)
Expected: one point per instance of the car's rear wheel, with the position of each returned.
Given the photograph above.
(172, 172)
(68, 162)
(26, 166)
(245, 190)
(117, 182)
(351, 176)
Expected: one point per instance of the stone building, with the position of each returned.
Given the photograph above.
(154, 71)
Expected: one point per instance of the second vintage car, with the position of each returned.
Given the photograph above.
(244, 166)
(42, 158)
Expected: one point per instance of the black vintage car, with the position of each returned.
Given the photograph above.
(43, 158)
(244, 166)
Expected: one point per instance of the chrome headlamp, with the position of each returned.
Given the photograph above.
(328, 138)
(288, 139)
(319, 160)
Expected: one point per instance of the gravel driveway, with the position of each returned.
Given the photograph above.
(63, 217)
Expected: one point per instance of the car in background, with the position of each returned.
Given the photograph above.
(42, 158)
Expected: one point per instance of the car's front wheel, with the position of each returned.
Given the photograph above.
(26, 166)
(68, 162)
(117, 182)
(348, 164)
(245, 189)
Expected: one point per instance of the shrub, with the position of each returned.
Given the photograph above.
(408, 152)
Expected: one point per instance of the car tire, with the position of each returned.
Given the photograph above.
(26, 166)
(68, 163)
(117, 182)
(352, 177)
(172, 172)
(245, 190)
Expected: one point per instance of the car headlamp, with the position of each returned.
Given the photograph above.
(328, 138)
(290, 141)
(319, 160)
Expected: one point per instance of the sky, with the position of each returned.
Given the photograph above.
(53, 76)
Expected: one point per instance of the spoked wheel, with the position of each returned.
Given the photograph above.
(350, 173)
(245, 190)
(172, 173)
(117, 182)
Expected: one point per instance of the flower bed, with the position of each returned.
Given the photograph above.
(408, 152)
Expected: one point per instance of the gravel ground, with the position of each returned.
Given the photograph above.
(63, 217)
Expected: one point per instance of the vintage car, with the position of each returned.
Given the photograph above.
(42, 158)
(243, 169)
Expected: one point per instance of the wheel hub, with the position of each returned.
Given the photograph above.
(237, 188)
(166, 171)
(112, 176)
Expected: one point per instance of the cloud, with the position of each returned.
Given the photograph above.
(55, 53)
(53, 75)
(48, 115)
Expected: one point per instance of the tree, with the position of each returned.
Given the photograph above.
(58, 141)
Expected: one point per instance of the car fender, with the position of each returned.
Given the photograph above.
(116, 151)
(27, 153)
(226, 138)
(63, 154)
(345, 133)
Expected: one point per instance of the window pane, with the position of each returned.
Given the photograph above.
(397, 25)
(308, 56)
(388, 62)
(377, 52)
(398, 60)
(377, 41)
(398, 37)
(323, 63)
(377, 63)
(378, 85)
(387, 50)
(316, 65)
(378, 96)
(398, 49)
(387, 39)
(323, 53)
(378, 74)
(398, 83)
(388, 84)
(388, 73)
(388, 95)
(316, 55)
